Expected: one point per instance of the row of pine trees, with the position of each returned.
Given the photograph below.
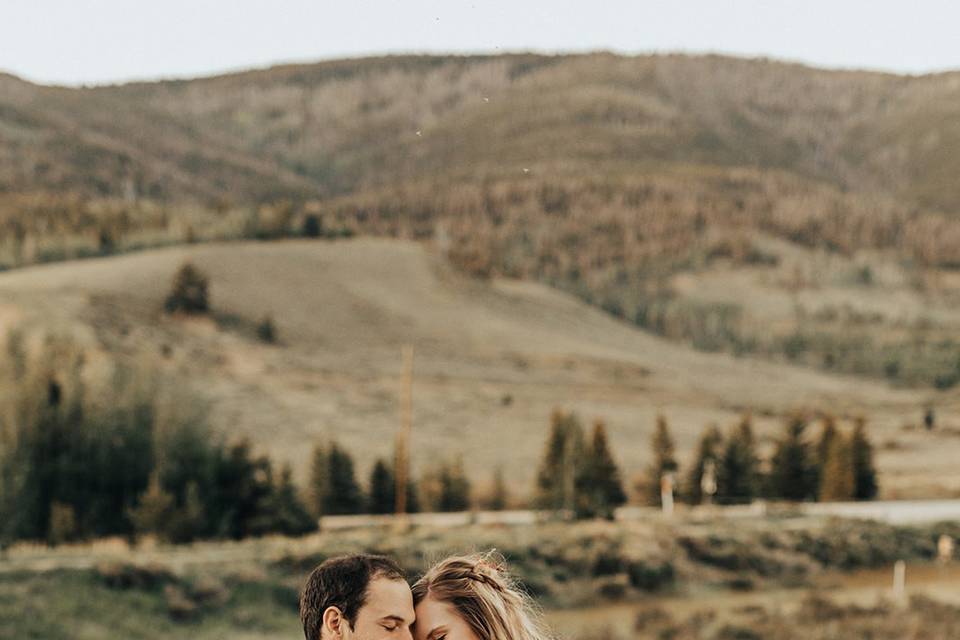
(77, 464)
(833, 465)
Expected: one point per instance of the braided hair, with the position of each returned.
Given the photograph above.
(485, 596)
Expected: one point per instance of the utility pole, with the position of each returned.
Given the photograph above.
(402, 463)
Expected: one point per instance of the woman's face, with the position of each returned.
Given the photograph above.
(440, 621)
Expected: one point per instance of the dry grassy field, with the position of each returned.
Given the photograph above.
(784, 578)
(493, 359)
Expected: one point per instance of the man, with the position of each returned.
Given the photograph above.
(359, 597)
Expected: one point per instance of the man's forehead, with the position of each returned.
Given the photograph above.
(389, 597)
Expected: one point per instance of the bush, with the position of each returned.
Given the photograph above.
(189, 292)
(266, 330)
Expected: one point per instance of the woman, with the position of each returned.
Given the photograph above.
(472, 598)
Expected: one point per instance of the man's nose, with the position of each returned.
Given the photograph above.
(407, 633)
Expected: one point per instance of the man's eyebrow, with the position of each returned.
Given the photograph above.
(392, 618)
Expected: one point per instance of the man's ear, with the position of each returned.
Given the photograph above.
(333, 623)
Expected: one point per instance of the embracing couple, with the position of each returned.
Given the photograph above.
(366, 597)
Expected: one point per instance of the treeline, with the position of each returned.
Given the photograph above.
(130, 456)
(833, 465)
(333, 488)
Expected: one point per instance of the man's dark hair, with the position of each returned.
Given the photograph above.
(342, 583)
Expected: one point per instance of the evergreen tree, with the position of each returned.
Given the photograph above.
(793, 475)
(561, 463)
(600, 488)
(837, 478)
(343, 493)
(861, 455)
(739, 468)
(154, 510)
(708, 453)
(383, 495)
(499, 494)
(664, 461)
(189, 292)
(282, 511)
(454, 488)
(827, 433)
(319, 480)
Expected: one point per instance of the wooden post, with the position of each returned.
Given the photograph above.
(402, 464)
(899, 580)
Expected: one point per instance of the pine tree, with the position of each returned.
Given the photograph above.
(827, 434)
(664, 461)
(454, 488)
(154, 509)
(738, 470)
(793, 475)
(189, 292)
(282, 511)
(861, 455)
(837, 479)
(708, 453)
(343, 493)
(600, 489)
(499, 494)
(319, 480)
(383, 496)
(561, 464)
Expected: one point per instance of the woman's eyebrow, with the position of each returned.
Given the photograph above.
(434, 631)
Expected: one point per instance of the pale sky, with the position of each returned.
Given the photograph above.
(100, 41)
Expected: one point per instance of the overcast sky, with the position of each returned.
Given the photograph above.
(99, 41)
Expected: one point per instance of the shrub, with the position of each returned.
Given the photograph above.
(189, 292)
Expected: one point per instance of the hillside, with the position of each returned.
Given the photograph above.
(493, 359)
(620, 180)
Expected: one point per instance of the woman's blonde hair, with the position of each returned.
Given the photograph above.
(485, 596)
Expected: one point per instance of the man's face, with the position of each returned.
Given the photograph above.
(387, 614)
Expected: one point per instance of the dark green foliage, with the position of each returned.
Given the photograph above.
(383, 497)
(664, 461)
(446, 487)
(282, 511)
(793, 472)
(499, 494)
(707, 455)
(861, 454)
(343, 494)
(72, 469)
(267, 330)
(312, 226)
(556, 477)
(738, 471)
(599, 486)
(189, 292)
